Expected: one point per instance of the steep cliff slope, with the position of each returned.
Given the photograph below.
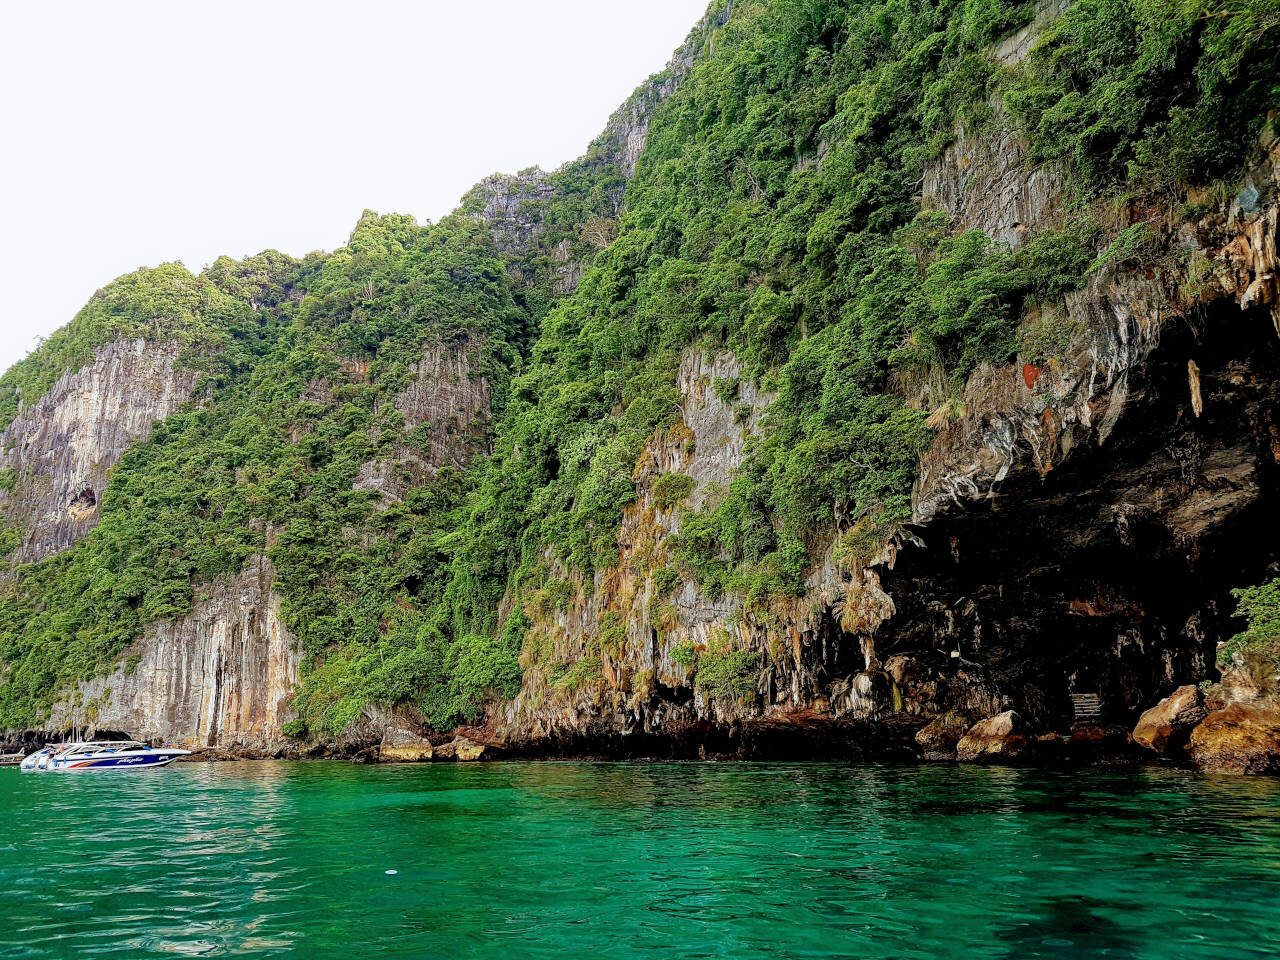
(820, 590)
(261, 326)
(882, 368)
(550, 226)
(223, 676)
(323, 451)
(60, 448)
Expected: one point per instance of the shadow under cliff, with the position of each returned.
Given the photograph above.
(1111, 573)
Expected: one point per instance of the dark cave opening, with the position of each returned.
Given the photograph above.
(1112, 573)
(84, 500)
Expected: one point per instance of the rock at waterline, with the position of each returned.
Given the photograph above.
(463, 749)
(939, 738)
(401, 745)
(1167, 726)
(996, 739)
(1239, 739)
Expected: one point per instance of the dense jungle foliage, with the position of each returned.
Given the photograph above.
(775, 212)
(1260, 608)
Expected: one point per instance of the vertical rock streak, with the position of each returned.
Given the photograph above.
(222, 676)
(61, 447)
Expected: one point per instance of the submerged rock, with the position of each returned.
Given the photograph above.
(1167, 726)
(1238, 739)
(1102, 743)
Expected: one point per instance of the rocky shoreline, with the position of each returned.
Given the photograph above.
(932, 715)
(1190, 729)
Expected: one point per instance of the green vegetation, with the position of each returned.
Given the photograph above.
(727, 388)
(161, 303)
(729, 675)
(1260, 606)
(294, 728)
(725, 673)
(684, 655)
(665, 580)
(719, 671)
(266, 465)
(671, 489)
(575, 212)
(580, 673)
(775, 213)
(1156, 91)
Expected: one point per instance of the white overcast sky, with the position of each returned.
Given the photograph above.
(137, 132)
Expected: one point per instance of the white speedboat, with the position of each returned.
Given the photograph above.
(102, 755)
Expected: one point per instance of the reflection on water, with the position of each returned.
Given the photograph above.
(1071, 926)
(631, 861)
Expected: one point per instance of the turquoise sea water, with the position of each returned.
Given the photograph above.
(637, 861)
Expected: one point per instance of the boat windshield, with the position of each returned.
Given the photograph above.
(101, 746)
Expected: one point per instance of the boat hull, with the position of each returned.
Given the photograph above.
(141, 758)
(119, 762)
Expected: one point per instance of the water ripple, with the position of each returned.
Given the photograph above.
(637, 861)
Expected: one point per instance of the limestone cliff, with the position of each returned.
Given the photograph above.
(1076, 525)
(223, 676)
(61, 447)
(445, 410)
(1093, 485)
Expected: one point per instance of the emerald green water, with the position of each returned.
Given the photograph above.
(637, 861)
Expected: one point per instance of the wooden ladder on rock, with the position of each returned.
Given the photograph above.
(1088, 706)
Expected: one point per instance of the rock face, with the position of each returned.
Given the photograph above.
(445, 401)
(1166, 727)
(998, 738)
(985, 182)
(720, 410)
(464, 750)
(624, 136)
(445, 410)
(1014, 49)
(1239, 739)
(61, 447)
(401, 744)
(511, 205)
(810, 660)
(1076, 526)
(1076, 530)
(939, 738)
(223, 676)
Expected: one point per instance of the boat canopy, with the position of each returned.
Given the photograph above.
(101, 746)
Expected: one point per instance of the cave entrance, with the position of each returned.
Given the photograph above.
(83, 504)
(1112, 573)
